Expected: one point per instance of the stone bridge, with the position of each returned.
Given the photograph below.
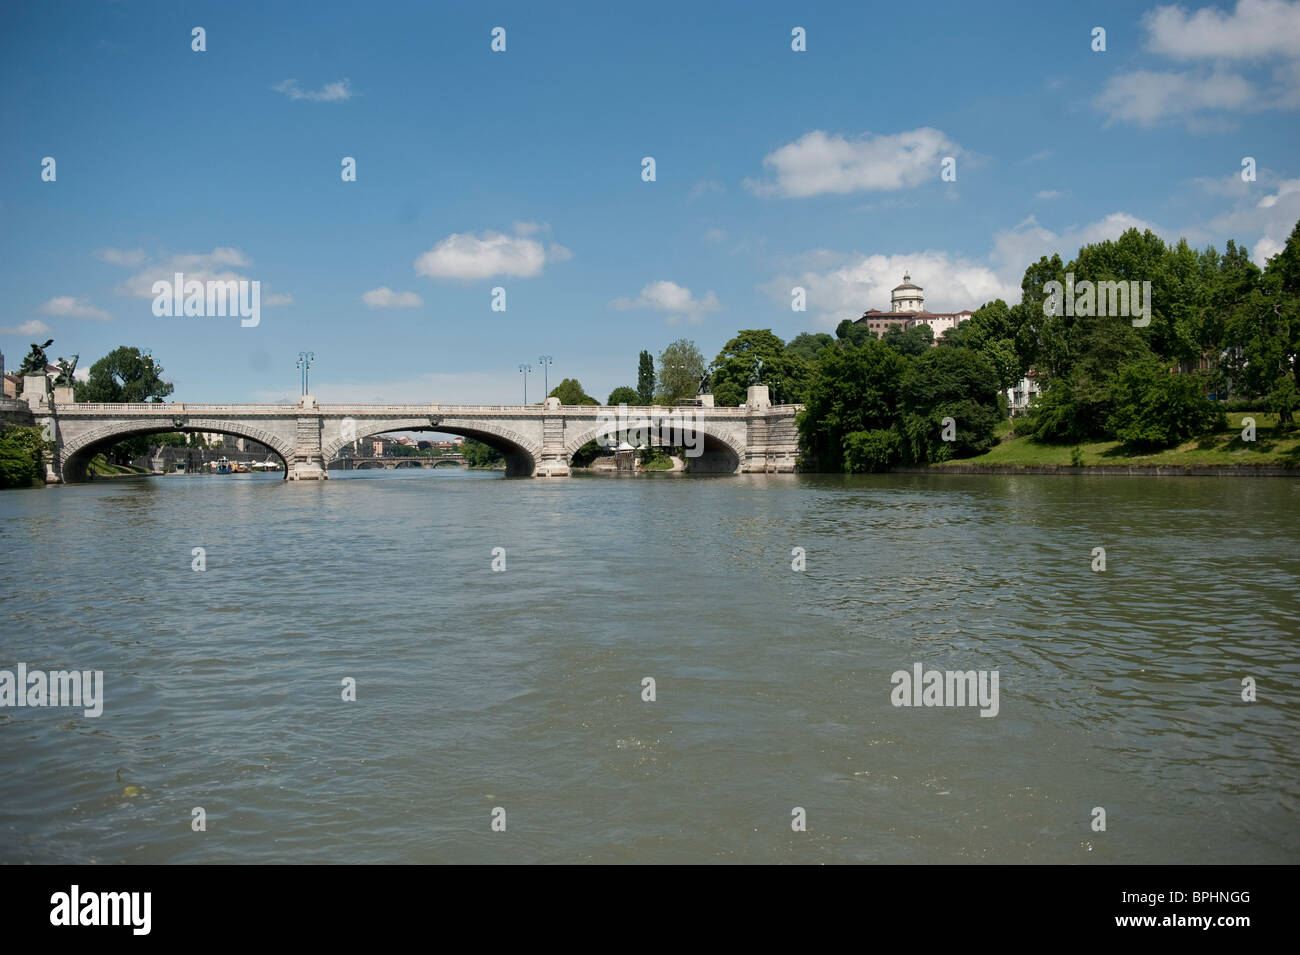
(536, 440)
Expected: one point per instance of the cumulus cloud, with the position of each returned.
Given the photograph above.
(844, 285)
(1260, 36)
(128, 257)
(69, 306)
(384, 297)
(820, 164)
(466, 256)
(1146, 97)
(334, 92)
(1265, 249)
(33, 327)
(219, 265)
(672, 300)
(1256, 28)
(1271, 217)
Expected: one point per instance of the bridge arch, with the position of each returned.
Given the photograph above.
(520, 453)
(722, 453)
(75, 453)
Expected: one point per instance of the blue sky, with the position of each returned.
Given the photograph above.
(523, 170)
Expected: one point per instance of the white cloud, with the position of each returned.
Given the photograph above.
(34, 327)
(715, 235)
(384, 297)
(673, 300)
(464, 255)
(1265, 249)
(1147, 97)
(1286, 187)
(329, 93)
(216, 265)
(951, 283)
(841, 285)
(277, 299)
(1254, 33)
(1048, 194)
(1015, 249)
(705, 186)
(1256, 28)
(819, 164)
(1270, 217)
(68, 306)
(128, 257)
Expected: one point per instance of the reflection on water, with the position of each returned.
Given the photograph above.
(522, 688)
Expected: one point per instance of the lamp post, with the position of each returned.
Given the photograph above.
(545, 362)
(525, 370)
(305, 360)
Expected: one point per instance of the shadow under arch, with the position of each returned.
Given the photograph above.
(521, 459)
(719, 451)
(74, 456)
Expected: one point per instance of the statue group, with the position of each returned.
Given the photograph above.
(37, 362)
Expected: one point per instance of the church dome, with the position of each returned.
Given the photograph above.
(907, 297)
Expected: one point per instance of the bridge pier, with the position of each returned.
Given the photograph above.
(308, 463)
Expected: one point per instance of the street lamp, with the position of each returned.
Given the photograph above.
(545, 362)
(524, 370)
(305, 360)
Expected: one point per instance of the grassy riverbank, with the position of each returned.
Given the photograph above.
(100, 467)
(1220, 449)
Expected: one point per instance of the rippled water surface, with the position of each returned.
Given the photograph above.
(522, 689)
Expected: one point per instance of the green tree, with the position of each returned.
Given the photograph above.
(851, 332)
(871, 450)
(570, 392)
(480, 455)
(992, 332)
(955, 383)
(21, 463)
(786, 375)
(910, 341)
(645, 379)
(852, 388)
(809, 346)
(1154, 408)
(623, 395)
(681, 366)
(124, 374)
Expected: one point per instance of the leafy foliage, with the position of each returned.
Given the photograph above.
(570, 392)
(21, 462)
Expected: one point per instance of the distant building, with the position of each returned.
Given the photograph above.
(907, 310)
(1022, 394)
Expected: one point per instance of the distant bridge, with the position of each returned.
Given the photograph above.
(352, 462)
(536, 440)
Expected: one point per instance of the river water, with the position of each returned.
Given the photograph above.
(521, 689)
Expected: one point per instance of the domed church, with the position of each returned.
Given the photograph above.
(908, 309)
